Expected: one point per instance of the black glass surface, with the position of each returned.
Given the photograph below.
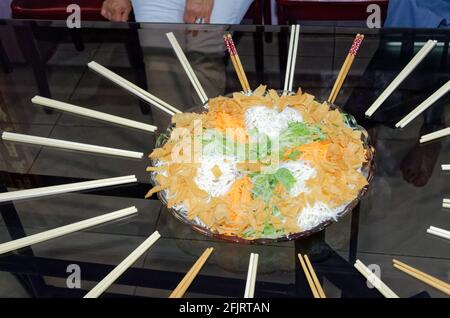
(46, 58)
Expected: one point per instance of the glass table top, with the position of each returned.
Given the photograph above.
(46, 58)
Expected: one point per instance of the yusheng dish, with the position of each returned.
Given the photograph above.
(262, 166)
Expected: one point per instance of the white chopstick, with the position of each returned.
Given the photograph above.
(292, 58)
(437, 229)
(122, 267)
(64, 230)
(425, 105)
(251, 276)
(435, 135)
(43, 101)
(446, 203)
(64, 188)
(187, 67)
(63, 144)
(289, 60)
(255, 269)
(439, 232)
(445, 167)
(132, 88)
(415, 61)
(375, 280)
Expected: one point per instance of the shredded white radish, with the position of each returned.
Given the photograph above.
(301, 170)
(206, 180)
(311, 216)
(270, 121)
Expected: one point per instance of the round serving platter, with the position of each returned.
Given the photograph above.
(367, 170)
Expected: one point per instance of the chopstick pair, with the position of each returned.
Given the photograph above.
(187, 280)
(439, 232)
(423, 277)
(187, 68)
(64, 230)
(424, 106)
(435, 135)
(415, 61)
(345, 67)
(311, 277)
(82, 225)
(445, 167)
(70, 145)
(106, 282)
(65, 188)
(374, 280)
(251, 276)
(86, 112)
(446, 203)
(292, 59)
(237, 64)
(132, 88)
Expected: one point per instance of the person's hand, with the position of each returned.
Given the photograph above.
(116, 10)
(198, 9)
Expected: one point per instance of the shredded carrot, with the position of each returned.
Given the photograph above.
(240, 193)
(232, 125)
(314, 152)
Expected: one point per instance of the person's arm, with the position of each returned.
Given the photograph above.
(116, 10)
(198, 9)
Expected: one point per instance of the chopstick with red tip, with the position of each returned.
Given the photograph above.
(346, 67)
(237, 64)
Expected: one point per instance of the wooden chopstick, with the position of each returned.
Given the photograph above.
(340, 81)
(238, 63)
(332, 96)
(308, 277)
(234, 61)
(314, 277)
(184, 284)
(432, 278)
(346, 67)
(423, 277)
